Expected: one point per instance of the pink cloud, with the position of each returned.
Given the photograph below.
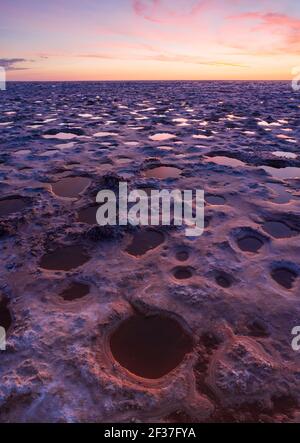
(166, 11)
(164, 57)
(269, 33)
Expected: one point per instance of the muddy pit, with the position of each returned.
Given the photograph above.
(223, 279)
(70, 187)
(64, 258)
(250, 243)
(183, 273)
(88, 215)
(182, 256)
(278, 229)
(215, 200)
(144, 241)
(75, 292)
(11, 205)
(284, 277)
(150, 347)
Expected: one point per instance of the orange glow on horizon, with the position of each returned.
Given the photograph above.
(152, 40)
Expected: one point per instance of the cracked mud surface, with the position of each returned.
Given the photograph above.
(66, 285)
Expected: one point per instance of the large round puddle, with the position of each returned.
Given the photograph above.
(11, 205)
(183, 273)
(70, 187)
(250, 244)
(144, 241)
(64, 259)
(163, 172)
(150, 347)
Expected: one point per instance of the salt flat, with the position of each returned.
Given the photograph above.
(232, 294)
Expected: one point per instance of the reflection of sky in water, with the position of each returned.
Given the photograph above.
(226, 161)
(61, 136)
(162, 137)
(284, 154)
(290, 172)
(281, 194)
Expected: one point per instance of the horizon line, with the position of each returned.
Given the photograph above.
(154, 80)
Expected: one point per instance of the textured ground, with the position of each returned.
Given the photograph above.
(58, 365)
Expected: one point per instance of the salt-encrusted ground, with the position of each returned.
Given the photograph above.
(239, 306)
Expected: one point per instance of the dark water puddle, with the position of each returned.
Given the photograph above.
(163, 172)
(150, 347)
(88, 215)
(215, 200)
(182, 256)
(284, 277)
(278, 229)
(75, 292)
(223, 279)
(5, 315)
(64, 259)
(182, 273)
(144, 241)
(282, 194)
(11, 205)
(250, 244)
(70, 187)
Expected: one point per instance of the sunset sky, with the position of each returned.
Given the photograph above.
(149, 39)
